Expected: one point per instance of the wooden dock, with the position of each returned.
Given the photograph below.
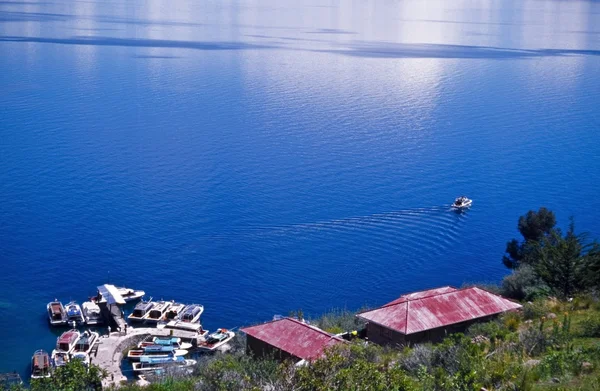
(108, 353)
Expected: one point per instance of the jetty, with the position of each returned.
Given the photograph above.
(108, 353)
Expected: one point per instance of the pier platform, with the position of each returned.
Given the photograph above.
(109, 351)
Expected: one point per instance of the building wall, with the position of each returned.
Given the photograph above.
(383, 336)
(259, 348)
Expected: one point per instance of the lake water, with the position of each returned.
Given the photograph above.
(260, 157)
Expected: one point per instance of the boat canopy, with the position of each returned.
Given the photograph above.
(191, 312)
(68, 337)
(111, 294)
(161, 360)
(41, 359)
(57, 308)
(166, 340)
(143, 306)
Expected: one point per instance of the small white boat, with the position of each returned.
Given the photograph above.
(136, 354)
(157, 312)
(216, 340)
(462, 202)
(86, 342)
(150, 364)
(141, 311)
(187, 326)
(170, 342)
(60, 358)
(67, 341)
(74, 314)
(56, 313)
(40, 365)
(173, 312)
(129, 294)
(188, 319)
(191, 313)
(91, 313)
(83, 356)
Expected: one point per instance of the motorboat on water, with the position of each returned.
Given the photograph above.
(187, 326)
(191, 313)
(173, 312)
(150, 364)
(129, 294)
(56, 313)
(60, 358)
(40, 365)
(171, 342)
(74, 314)
(462, 202)
(188, 319)
(67, 341)
(141, 310)
(137, 354)
(86, 342)
(157, 312)
(91, 313)
(216, 340)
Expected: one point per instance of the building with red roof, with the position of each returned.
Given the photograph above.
(432, 314)
(288, 338)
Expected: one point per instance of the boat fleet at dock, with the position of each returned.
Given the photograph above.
(149, 356)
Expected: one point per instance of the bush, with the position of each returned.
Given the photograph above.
(339, 321)
(535, 310)
(524, 284)
(492, 330)
(512, 320)
(421, 356)
(590, 326)
(533, 340)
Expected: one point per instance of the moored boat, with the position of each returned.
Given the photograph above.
(215, 340)
(181, 325)
(74, 314)
(56, 313)
(136, 354)
(188, 319)
(172, 342)
(129, 294)
(91, 313)
(191, 313)
(461, 203)
(86, 342)
(40, 365)
(140, 311)
(67, 341)
(173, 312)
(157, 311)
(60, 358)
(148, 364)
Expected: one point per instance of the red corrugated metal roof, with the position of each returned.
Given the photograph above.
(294, 337)
(416, 313)
(422, 294)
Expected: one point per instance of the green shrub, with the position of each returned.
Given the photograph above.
(536, 309)
(524, 284)
(590, 326)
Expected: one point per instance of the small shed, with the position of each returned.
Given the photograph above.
(432, 314)
(288, 338)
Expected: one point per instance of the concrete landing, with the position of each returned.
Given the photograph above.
(110, 349)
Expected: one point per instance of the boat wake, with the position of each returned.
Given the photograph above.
(430, 229)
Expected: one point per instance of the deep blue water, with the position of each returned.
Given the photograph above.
(261, 157)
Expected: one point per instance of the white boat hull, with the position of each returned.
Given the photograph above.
(205, 346)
